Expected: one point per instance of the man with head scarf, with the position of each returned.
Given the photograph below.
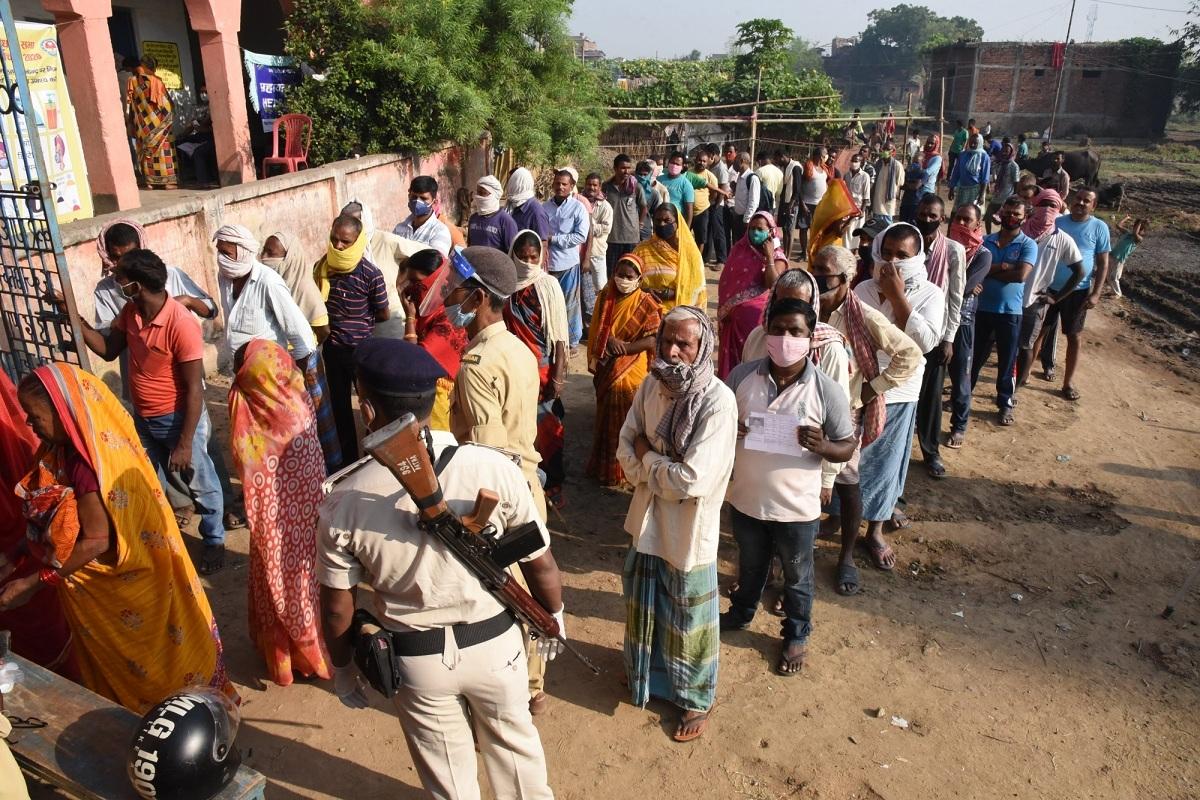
(1005, 175)
(676, 448)
(385, 249)
(523, 204)
(889, 181)
(900, 289)
(490, 225)
(966, 229)
(971, 175)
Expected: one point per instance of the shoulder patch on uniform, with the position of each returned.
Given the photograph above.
(510, 455)
(471, 358)
(333, 480)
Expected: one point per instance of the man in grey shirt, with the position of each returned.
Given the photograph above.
(629, 210)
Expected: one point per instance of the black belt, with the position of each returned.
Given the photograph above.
(431, 642)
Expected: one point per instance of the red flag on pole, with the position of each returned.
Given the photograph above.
(1058, 53)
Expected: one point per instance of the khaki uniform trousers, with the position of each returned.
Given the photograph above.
(481, 689)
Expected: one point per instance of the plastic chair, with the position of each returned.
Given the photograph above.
(297, 136)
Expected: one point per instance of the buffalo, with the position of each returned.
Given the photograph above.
(1081, 165)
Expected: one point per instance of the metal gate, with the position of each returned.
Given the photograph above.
(33, 329)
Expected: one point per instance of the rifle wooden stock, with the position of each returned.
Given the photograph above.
(398, 447)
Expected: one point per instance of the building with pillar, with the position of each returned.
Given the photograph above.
(207, 34)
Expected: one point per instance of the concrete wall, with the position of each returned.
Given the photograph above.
(1108, 90)
(304, 203)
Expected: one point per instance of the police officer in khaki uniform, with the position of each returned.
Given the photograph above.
(368, 532)
(496, 391)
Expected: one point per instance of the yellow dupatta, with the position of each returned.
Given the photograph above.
(141, 622)
(836, 206)
(339, 262)
(668, 268)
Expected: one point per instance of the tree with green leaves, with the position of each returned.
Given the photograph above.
(805, 55)
(402, 76)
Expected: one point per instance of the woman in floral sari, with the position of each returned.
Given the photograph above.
(100, 526)
(39, 630)
(673, 267)
(150, 118)
(754, 263)
(620, 342)
(276, 449)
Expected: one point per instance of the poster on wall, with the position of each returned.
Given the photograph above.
(52, 116)
(269, 78)
(166, 55)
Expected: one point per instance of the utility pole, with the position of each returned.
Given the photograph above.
(1062, 72)
(942, 122)
(754, 116)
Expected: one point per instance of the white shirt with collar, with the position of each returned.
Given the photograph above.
(675, 513)
(433, 232)
(265, 310)
(925, 325)
(1054, 247)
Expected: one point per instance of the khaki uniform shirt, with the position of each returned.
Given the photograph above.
(367, 531)
(496, 396)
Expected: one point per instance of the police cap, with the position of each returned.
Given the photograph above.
(397, 367)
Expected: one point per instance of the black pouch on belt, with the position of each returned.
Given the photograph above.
(374, 653)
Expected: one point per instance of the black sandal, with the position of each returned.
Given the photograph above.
(212, 559)
(847, 575)
(784, 662)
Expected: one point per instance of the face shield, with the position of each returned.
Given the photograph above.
(453, 273)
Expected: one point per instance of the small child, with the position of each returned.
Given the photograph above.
(1130, 239)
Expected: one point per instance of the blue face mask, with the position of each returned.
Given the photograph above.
(420, 208)
(459, 318)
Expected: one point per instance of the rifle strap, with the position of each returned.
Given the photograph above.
(425, 503)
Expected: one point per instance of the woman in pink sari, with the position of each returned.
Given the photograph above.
(754, 263)
(279, 456)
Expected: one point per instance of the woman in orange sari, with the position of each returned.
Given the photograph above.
(150, 119)
(39, 630)
(620, 343)
(99, 525)
(278, 452)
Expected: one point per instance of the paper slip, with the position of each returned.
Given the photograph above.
(774, 433)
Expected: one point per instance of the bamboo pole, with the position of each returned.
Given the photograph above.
(908, 119)
(761, 120)
(754, 117)
(715, 107)
(1062, 72)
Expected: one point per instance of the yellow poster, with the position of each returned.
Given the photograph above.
(167, 55)
(52, 116)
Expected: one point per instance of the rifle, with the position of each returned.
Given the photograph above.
(472, 539)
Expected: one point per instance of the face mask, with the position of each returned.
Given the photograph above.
(273, 263)
(928, 227)
(823, 283)
(626, 285)
(787, 351)
(126, 290)
(666, 231)
(232, 269)
(909, 268)
(420, 208)
(673, 170)
(759, 237)
(864, 252)
(459, 318)
(485, 205)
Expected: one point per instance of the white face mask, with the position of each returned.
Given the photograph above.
(485, 205)
(910, 268)
(626, 285)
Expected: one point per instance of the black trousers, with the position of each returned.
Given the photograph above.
(717, 247)
(339, 372)
(929, 404)
(700, 228)
(738, 229)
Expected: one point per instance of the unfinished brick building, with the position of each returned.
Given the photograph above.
(1110, 90)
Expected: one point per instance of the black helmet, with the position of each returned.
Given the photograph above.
(183, 750)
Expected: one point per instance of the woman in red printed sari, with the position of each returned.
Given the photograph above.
(277, 451)
(432, 331)
(620, 345)
(150, 119)
(537, 315)
(754, 263)
(39, 630)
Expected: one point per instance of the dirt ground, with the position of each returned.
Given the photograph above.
(1019, 636)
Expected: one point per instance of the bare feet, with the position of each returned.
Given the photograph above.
(539, 703)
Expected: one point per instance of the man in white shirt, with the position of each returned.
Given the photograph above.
(781, 514)
(889, 180)
(772, 178)
(746, 194)
(901, 290)
(676, 447)
(423, 224)
(858, 181)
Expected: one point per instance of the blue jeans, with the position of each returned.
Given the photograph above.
(159, 436)
(1003, 330)
(759, 540)
(960, 367)
(568, 279)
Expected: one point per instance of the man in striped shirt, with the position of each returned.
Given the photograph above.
(356, 298)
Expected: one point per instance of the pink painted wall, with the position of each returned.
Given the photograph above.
(304, 202)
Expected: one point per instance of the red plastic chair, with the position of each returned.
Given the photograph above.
(297, 136)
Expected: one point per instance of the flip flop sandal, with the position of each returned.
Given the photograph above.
(538, 704)
(1006, 417)
(780, 666)
(701, 720)
(183, 519)
(877, 557)
(1071, 393)
(1048, 374)
(899, 521)
(847, 575)
(956, 440)
(234, 520)
(212, 559)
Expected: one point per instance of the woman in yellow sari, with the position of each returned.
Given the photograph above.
(150, 118)
(620, 342)
(674, 268)
(100, 526)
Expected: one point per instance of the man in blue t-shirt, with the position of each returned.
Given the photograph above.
(1001, 306)
(682, 193)
(1091, 236)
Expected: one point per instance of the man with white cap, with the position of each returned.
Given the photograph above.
(490, 225)
(569, 225)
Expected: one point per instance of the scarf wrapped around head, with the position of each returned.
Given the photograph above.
(911, 269)
(1007, 153)
(974, 159)
(106, 262)
(520, 188)
(294, 270)
(247, 250)
(684, 382)
(1041, 219)
(969, 238)
(553, 306)
(933, 150)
